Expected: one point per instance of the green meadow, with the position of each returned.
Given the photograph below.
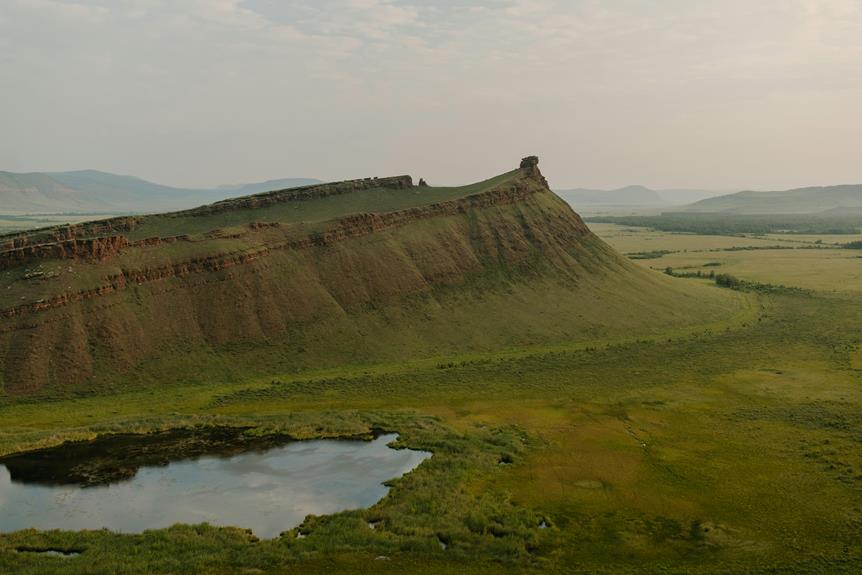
(727, 447)
(815, 262)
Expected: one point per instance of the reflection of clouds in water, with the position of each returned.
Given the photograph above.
(5, 484)
(268, 492)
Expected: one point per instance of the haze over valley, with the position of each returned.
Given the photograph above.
(94, 192)
(498, 287)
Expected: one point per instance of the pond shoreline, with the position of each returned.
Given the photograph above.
(128, 483)
(55, 465)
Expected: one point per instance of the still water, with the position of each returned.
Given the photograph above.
(267, 490)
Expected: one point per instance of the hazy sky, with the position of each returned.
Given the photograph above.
(704, 93)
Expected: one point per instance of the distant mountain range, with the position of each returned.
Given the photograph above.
(94, 192)
(829, 200)
(825, 200)
(634, 196)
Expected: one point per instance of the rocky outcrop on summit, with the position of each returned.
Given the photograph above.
(530, 166)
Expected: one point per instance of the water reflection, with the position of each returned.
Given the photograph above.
(267, 491)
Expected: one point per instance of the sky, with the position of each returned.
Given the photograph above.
(725, 94)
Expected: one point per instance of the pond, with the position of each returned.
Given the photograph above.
(132, 483)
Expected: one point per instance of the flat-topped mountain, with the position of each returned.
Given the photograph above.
(358, 271)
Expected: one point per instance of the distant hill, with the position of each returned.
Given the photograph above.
(627, 196)
(267, 186)
(94, 192)
(684, 196)
(815, 200)
(634, 196)
(22, 193)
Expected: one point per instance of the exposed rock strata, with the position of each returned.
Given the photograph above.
(97, 249)
(112, 226)
(138, 277)
(342, 229)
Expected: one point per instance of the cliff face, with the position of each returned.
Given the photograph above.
(97, 249)
(530, 167)
(112, 226)
(127, 307)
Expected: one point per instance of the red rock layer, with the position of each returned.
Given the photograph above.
(96, 249)
(353, 226)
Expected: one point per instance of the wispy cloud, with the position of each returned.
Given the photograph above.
(610, 91)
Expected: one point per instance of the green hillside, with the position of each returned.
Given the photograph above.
(812, 200)
(335, 274)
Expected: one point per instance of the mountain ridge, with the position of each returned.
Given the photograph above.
(625, 196)
(349, 272)
(633, 196)
(94, 192)
(807, 200)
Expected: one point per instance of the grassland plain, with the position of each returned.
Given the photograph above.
(837, 222)
(726, 444)
(729, 450)
(814, 262)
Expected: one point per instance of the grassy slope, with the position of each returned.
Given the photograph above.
(732, 449)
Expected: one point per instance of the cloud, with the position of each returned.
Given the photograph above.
(59, 9)
(203, 91)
